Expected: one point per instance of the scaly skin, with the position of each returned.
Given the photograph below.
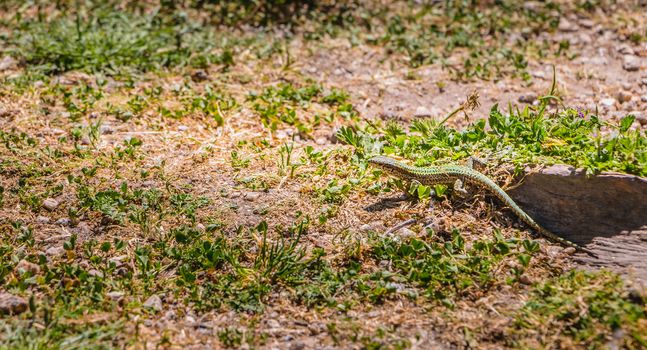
(449, 174)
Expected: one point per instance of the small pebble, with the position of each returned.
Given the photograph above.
(106, 130)
(525, 280)
(405, 233)
(272, 323)
(42, 219)
(422, 112)
(199, 75)
(630, 63)
(252, 196)
(25, 266)
(528, 98)
(623, 96)
(115, 296)
(608, 102)
(12, 304)
(50, 204)
(154, 302)
(63, 222)
(54, 251)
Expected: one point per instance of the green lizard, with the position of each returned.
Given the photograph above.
(457, 175)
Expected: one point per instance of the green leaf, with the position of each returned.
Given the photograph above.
(625, 123)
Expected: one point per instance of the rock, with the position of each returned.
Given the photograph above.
(641, 118)
(25, 266)
(7, 62)
(42, 219)
(115, 295)
(528, 98)
(525, 279)
(608, 102)
(643, 98)
(63, 222)
(54, 251)
(83, 229)
(405, 233)
(625, 49)
(587, 23)
(377, 225)
(630, 63)
(12, 304)
(50, 204)
(272, 323)
(583, 211)
(422, 112)
(623, 96)
(566, 26)
(252, 196)
(95, 273)
(182, 128)
(298, 345)
(200, 75)
(321, 141)
(106, 130)
(154, 302)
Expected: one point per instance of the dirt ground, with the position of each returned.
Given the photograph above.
(602, 71)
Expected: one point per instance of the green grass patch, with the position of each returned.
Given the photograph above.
(588, 308)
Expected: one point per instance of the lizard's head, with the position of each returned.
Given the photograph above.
(389, 165)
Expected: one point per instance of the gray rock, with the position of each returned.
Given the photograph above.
(182, 128)
(50, 204)
(567, 26)
(587, 23)
(54, 251)
(83, 229)
(405, 233)
(106, 130)
(608, 102)
(154, 302)
(631, 63)
(7, 62)
(42, 219)
(422, 112)
(321, 141)
(12, 304)
(528, 98)
(298, 345)
(63, 222)
(625, 49)
(252, 196)
(95, 273)
(272, 323)
(115, 295)
(25, 266)
(641, 118)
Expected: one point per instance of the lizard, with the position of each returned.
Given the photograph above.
(457, 175)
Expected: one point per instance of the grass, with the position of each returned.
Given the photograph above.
(521, 136)
(193, 160)
(582, 308)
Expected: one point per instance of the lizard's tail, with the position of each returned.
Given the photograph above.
(505, 198)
